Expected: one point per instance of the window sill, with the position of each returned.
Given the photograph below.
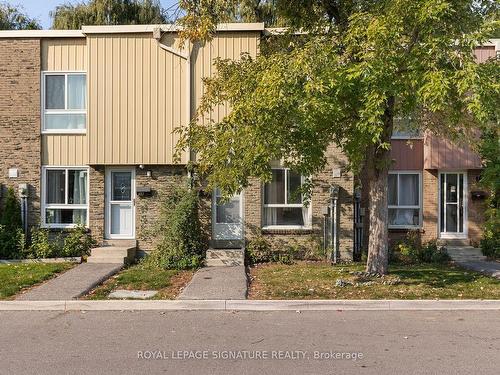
(405, 228)
(55, 132)
(287, 230)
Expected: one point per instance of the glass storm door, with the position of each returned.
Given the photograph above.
(453, 205)
(120, 203)
(227, 218)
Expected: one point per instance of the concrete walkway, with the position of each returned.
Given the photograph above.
(71, 284)
(472, 259)
(217, 283)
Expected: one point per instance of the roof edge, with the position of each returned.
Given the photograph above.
(118, 29)
(41, 34)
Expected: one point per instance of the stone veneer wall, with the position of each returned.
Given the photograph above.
(252, 200)
(147, 209)
(20, 118)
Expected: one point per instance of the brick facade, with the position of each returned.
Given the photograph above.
(252, 200)
(475, 208)
(20, 119)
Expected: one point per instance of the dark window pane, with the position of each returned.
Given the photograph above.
(284, 216)
(54, 92)
(77, 187)
(393, 189)
(404, 216)
(294, 184)
(228, 212)
(122, 186)
(451, 218)
(451, 188)
(55, 187)
(66, 216)
(408, 190)
(441, 209)
(274, 192)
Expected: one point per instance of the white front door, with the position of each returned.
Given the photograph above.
(120, 202)
(453, 204)
(227, 218)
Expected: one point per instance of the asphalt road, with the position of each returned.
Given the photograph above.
(188, 342)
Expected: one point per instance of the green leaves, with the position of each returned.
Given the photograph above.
(334, 83)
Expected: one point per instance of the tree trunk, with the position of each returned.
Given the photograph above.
(378, 163)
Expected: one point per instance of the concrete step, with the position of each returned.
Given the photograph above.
(112, 254)
(120, 243)
(461, 242)
(107, 259)
(128, 252)
(226, 257)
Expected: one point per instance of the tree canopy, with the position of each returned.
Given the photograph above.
(108, 12)
(13, 18)
(343, 72)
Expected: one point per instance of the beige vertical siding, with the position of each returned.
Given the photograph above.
(226, 45)
(63, 149)
(136, 99)
(64, 54)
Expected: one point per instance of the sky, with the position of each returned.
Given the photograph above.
(40, 9)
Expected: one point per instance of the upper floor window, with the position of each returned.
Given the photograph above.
(283, 202)
(64, 102)
(404, 200)
(405, 128)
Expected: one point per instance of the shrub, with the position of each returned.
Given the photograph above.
(411, 251)
(490, 243)
(181, 245)
(11, 232)
(41, 246)
(75, 243)
(78, 242)
(259, 250)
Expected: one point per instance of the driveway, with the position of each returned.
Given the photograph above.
(199, 342)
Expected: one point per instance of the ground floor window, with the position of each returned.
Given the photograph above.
(404, 197)
(65, 196)
(283, 201)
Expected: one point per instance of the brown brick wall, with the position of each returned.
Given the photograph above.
(20, 118)
(476, 208)
(320, 198)
(430, 204)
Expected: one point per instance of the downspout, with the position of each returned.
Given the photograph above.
(186, 56)
(334, 196)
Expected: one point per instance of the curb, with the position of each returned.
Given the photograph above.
(252, 305)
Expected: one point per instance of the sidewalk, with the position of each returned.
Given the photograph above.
(71, 284)
(217, 283)
(471, 258)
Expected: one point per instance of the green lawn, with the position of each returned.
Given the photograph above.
(306, 280)
(137, 277)
(15, 277)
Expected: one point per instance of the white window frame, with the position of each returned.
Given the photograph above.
(419, 206)
(286, 205)
(63, 111)
(46, 206)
